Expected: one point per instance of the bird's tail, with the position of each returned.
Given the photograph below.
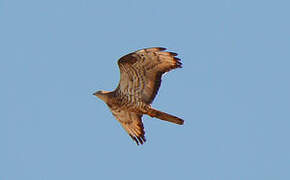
(164, 116)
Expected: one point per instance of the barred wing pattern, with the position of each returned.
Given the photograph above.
(141, 71)
(140, 79)
(132, 123)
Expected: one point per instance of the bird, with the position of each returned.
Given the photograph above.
(140, 79)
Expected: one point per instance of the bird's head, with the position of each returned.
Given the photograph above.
(103, 95)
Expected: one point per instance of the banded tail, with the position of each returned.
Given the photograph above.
(164, 116)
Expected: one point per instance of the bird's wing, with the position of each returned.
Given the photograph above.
(132, 123)
(141, 71)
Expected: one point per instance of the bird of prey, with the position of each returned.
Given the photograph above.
(140, 79)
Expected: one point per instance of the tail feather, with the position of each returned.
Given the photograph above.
(164, 116)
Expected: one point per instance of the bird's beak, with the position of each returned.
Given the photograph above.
(94, 93)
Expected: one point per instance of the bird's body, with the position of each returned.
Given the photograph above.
(140, 79)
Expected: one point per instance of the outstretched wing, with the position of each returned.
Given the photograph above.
(132, 123)
(141, 71)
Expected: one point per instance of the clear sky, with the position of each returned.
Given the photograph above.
(233, 92)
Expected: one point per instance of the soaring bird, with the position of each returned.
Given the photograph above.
(140, 79)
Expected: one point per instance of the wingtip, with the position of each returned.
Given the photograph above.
(138, 140)
(134, 139)
(178, 62)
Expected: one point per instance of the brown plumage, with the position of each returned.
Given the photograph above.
(140, 79)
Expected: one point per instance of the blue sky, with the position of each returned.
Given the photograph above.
(233, 91)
